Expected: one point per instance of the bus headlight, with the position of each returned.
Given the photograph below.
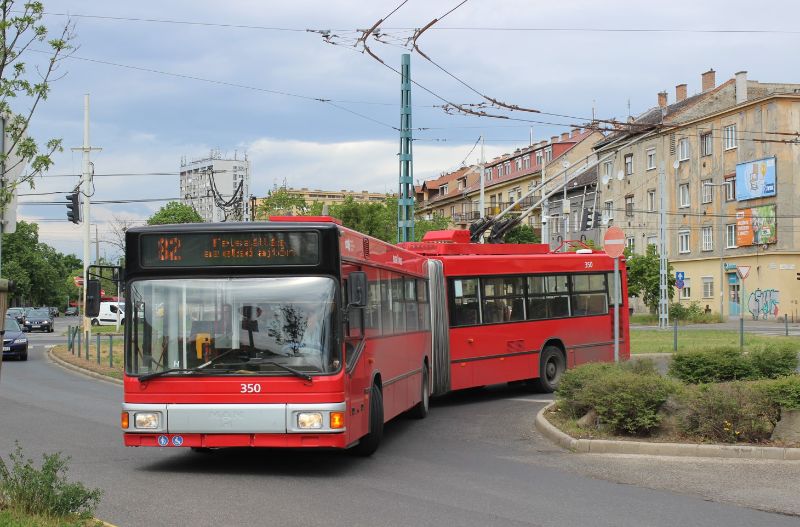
(147, 420)
(309, 420)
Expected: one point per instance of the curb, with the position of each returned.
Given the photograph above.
(605, 446)
(83, 371)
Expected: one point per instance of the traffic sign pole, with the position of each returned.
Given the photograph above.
(616, 309)
(614, 245)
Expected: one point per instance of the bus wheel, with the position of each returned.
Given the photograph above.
(369, 443)
(420, 411)
(551, 368)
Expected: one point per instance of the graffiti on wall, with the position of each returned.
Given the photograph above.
(763, 303)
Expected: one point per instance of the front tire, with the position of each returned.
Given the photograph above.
(95, 322)
(369, 443)
(551, 367)
(420, 411)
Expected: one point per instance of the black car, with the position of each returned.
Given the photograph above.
(17, 313)
(15, 344)
(71, 312)
(38, 319)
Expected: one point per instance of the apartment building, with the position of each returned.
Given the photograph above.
(731, 164)
(507, 178)
(217, 186)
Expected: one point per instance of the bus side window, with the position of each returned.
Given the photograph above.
(465, 308)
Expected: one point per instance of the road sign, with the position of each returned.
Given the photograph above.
(614, 242)
(743, 271)
(680, 275)
(679, 284)
(78, 281)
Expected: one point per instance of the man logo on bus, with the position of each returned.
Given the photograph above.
(163, 440)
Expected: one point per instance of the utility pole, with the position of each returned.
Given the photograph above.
(663, 300)
(405, 197)
(545, 213)
(482, 201)
(96, 246)
(87, 192)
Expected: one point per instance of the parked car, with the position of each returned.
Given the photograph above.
(71, 312)
(54, 312)
(38, 319)
(17, 313)
(109, 311)
(15, 344)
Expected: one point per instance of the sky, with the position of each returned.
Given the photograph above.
(177, 79)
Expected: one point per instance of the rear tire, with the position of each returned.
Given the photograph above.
(95, 322)
(551, 368)
(420, 411)
(369, 443)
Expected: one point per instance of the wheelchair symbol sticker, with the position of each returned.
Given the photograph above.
(177, 441)
(163, 441)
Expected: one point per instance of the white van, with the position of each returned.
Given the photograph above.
(109, 313)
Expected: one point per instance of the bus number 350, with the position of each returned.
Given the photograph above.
(250, 388)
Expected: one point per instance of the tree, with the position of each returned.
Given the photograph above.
(20, 31)
(280, 202)
(522, 234)
(644, 277)
(174, 212)
(423, 226)
(119, 226)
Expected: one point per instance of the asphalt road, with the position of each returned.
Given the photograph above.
(474, 461)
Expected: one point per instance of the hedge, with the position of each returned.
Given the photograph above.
(727, 363)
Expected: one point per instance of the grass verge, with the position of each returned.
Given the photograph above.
(657, 341)
(15, 518)
(103, 368)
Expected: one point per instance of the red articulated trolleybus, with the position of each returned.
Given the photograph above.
(519, 312)
(296, 332)
(299, 332)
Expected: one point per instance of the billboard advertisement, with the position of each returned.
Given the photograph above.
(755, 179)
(756, 226)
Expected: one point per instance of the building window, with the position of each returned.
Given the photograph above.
(629, 206)
(461, 184)
(708, 239)
(651, 200)
(708, 287)
(706, 191)
(683, 195)
(555, 220)
(729, 137)
(526, 161)
(652, 240)
(518, 163)
(500, 171)
(608, 167)
(651, 158)
(608, 210)
(576, 226)
(629, 164)
(452, 211)
(443, 190)
(730, 236)
(548, 154)
(683, 149)
(630, 244)
(706, 144)
(683, 242)
(730, 188)
(539, 157)
(686, 292)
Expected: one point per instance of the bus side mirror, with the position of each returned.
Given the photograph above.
(92, 298)
(357, 289)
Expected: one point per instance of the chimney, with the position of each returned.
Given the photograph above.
(662, 99)
(576, 132)
(741, 87)
(680, 92)
(554, 139)
(708, 80)
(565, 136)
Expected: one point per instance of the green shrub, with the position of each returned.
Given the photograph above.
(627, 398)
(712, 365)
(784, 392)
(44, 491)
(728, 412)
(571, 388)
(677, 311)
(774, 360)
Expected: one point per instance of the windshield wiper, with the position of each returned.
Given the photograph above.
(148, 376)
(256, 362)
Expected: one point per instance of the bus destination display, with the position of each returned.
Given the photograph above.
(229, 248)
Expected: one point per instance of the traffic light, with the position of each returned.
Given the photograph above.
(74, 207)
(588, 219)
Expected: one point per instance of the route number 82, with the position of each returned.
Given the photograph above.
(250, 388)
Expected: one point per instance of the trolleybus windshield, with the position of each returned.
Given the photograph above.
(244, 326)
